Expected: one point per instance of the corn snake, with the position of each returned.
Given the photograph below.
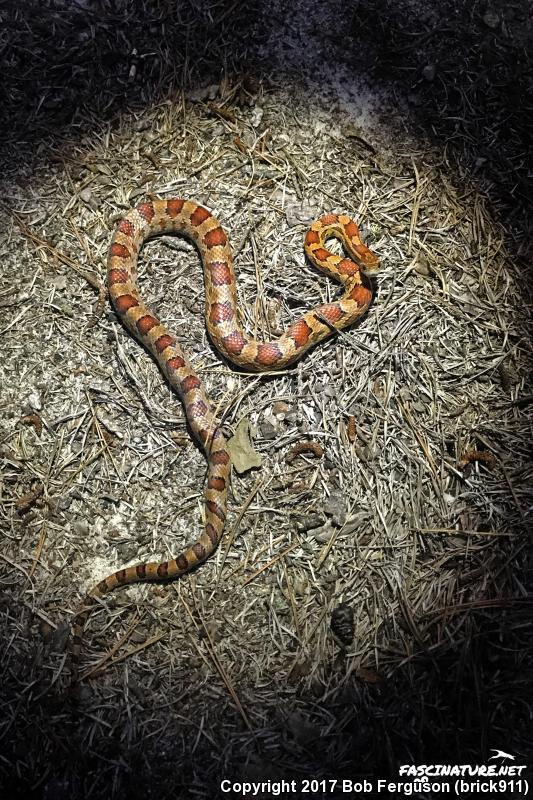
(185, 217)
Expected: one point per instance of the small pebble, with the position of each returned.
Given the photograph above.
(491, 18)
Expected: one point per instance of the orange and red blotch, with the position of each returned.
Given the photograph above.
(199, 551)
(300, 333)
(221, 312)
(361, 295)
(176, 362)
(347, 267)
(322, 254)
(332, 312)
(126, 226)
(329, 219)
(211, 532)
(174, 207)
(215, 238)
(312, 237)
(351, 230)
(234, 343)
(219, 457)
(162, 570)
(189, 383)
(117, 276)
(221, 274)
(182, 563)
(163, 342)
(146, 210)
(199, 215)
(268, 353)
(218, 483)
(125, 302)
(119, 250)
(216, 510)
(146, 323)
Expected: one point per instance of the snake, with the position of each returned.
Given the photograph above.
(187, 218)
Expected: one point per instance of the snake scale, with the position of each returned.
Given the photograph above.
(185, 217)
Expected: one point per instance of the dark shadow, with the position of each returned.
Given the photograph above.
(461, 72)
(450, 704)
(465, 74)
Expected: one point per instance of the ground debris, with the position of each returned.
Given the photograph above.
(411, 117)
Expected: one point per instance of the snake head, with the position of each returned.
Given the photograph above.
(368, 262)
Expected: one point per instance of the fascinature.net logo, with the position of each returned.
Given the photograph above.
(500, 776)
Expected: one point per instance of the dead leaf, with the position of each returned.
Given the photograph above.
(243, 455)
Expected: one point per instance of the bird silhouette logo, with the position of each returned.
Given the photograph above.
(500, 754)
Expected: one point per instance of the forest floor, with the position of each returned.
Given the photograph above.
(370, 604)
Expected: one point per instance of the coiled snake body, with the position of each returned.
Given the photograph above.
(197, 223)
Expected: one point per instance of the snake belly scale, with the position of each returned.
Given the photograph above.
(185, 217)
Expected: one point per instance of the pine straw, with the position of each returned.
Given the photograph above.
(234, 671)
